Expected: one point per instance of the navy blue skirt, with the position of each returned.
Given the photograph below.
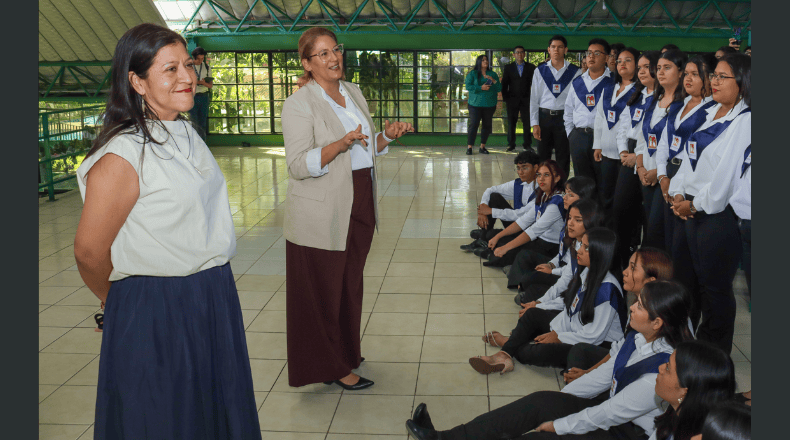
(174, 361)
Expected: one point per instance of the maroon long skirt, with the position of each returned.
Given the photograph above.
(324, 297)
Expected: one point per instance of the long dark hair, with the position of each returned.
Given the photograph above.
(619, 79)
(679, 59)
(741, 66)
(671, 302)
(555, 171)
(592, 217)
(583, 186)
(652, 56)
(125, 110)
(709, 375)
(602, 243)
(728, 421)
(706, 64)
(479, 64)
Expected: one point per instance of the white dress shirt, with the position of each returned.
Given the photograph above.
(350, 117)
(714, 196)
(181, 222)
(508, 191)
(648, 161)
(541, 96)
(202, 72)
(605, 139)
(662, 153)
(692, 181)
(547, 227)
(741, 200)
(604, 327)
(637, 402)
(553, 299)
(577, 114)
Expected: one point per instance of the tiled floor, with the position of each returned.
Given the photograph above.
(426, 304)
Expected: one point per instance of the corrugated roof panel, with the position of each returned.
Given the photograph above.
(97, 24)
(84, 30)
(127, 13)
(64, 32)
(147, 12)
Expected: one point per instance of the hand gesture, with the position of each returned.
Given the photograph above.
(546, 427)
(734, 44)
(665, 190)
(492, 243)
(548, 338)
(396, 129)
(629, 160)
(573, 374)
(642, 172)
(545, 268)
(485, 86)
(526, 306)
(351, 137)
(651, 177)
(536, 132)
(484, 209)
(683, 209)
(500, 252)
(482, 221)
(597, 155)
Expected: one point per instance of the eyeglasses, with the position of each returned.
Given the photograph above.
(519, 51)
(627, 60)
(713, 76)
(324, 54)
(597, 53)
(524, 168)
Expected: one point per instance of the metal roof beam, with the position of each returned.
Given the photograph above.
(702, 10)
(301, 14)
(611, 11)
(469, 14)
(221, 20)
(529, 12)
(502, 14)
(247, 14)
(192, 18)
(671, 18)
(642, 16)
(413, 14)
(445, 13)
(326, 11)
(589, 7)
(78, 80)
(723, 16)
(387, 14)
(557, 13)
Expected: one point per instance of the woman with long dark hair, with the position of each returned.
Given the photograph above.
(727, 421)
(667, 98)
(710, 242)
(154, 241)
(483, 86)
(697, 377)
(531, 267)
(593, 312)
(628, 408)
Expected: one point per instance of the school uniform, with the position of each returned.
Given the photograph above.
(627, 212)
(711, 236)
(583, 97)
(552, 299)
(608, 121)
(543, 224)
(497, 196)
(741, 203)
(655, 118)
(548, 94)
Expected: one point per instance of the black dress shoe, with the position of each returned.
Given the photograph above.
(469, 152)
(478, 233)
(483, 150)
(469, 247)
(421, 433)
(493, 261)
(511, 148)
(529, 149)
(482, 252)
(361, 384)
(421, 417)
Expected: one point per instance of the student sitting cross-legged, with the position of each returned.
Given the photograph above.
(594, 312)
(617, 400)
(494, 204)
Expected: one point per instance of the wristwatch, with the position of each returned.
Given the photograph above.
(691, 206)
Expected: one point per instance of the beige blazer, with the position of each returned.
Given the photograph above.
(318, 209)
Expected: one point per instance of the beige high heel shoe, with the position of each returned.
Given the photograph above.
(500, 362)
(490, 338)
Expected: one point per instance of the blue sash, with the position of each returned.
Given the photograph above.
(700, 140)
(588, 98)
(606, 293)
(574, 266)
(747, 162)
(677, 137)
(518, 190)
(619, 105)
(624, 376)
(635, 118)
(563, 249)
(653, 134)
(556, 199)
(556, 86)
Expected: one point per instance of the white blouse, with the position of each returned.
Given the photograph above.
(181, 223)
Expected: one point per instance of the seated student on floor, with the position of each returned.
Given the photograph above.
(646, 265)
(494, 204)
(532, 267)
(615, 401)
(538, 229)
(594, 312)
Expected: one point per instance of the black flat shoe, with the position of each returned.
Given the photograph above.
(478, 233)
(469, 247)
(421, 417)
(469, 152)
(421, 433)
(482, 252)
(493, 261)
(511, 148)
(483, 150)
(361, 384)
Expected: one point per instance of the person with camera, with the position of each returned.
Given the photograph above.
(199, 113)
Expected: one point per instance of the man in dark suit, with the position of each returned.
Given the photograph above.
(516, 84)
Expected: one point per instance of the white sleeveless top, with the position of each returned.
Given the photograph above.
(181, 223)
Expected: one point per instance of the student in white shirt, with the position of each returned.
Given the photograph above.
(494, 204)
(697, 377)
(548, 93)
(617, 400)
(712, 237)
(667, 99)
(627, 210)
(610, 117)
(594, 312)
(584, 96)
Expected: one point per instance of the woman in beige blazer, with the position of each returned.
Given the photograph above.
(330, 214)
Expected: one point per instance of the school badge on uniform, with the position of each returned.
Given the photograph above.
(614, 386)
(575, 301)
(591, 100)
(610, 116)
(652, 142)
(675, 143)
(637, 114)
(692, 150)
(556, 88)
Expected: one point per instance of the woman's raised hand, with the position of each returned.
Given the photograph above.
(396, 129)
(351, 137)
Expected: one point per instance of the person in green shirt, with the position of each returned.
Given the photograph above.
(483, 86)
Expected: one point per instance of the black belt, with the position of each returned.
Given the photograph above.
(675, 161)
(548, 112)
(585, 129)
(631, 145)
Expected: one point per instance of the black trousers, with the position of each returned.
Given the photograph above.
(745, 227)
(584, 355)
(496, 201)
(654, 216)
(553, 136)
(538, 245)
(518, 106)
(535, 322)
(610, 171)
(513, 420)
(714, 243)
(475, 115)
(524, 266)
(683, 267)
(669, 223)
(584, 163)
(627, 214)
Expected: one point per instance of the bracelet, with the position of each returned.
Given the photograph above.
(660, 178)
(386, 139)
